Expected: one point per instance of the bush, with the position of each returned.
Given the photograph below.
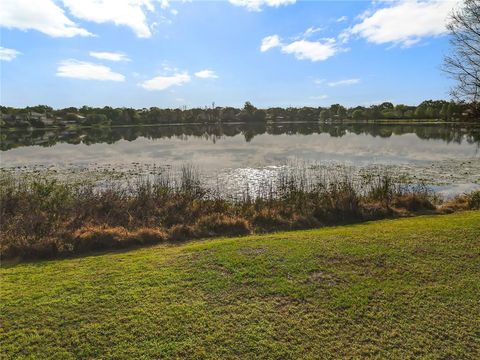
(269, 220)
(462, 202)
(30, 247)
(474, 200)
(43, 217)
(374, 211)
(94, 238)
(303, 222)
(181, 232)
(219, 224)
(413, 202)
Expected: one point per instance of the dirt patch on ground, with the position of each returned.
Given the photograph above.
(324, 278)
(248, 250)
(220, 268)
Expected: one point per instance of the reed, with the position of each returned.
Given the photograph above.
(44, 217)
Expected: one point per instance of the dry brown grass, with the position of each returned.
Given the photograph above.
(181, 232)
(220, 224)
(461, 203)
(44, 218)
(269, 219)
(93, 238)
(413, 202)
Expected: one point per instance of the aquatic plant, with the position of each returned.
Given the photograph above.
(42, 216)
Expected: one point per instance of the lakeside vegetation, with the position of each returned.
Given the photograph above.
(117, 252)
(45, 116)
(46, 217)
(405, 288)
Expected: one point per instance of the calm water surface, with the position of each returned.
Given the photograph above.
(447, 156)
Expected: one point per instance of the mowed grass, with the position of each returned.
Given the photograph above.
(399, 289)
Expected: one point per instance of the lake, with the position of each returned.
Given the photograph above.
(445, 156)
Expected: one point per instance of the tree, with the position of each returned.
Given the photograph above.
(96, 119)
(357, 114)
(420, 111)
(341, 112)
(450, 110)
(247, 113)
(40, 108)
(431, 112)
(259, 115)
(375, 112)
(444, 112)
(324, 115)
(249, 108)
(386, 106)
(464, 64)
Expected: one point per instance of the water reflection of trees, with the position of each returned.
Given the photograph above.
(456, 133)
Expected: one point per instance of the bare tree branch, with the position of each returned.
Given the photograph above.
(464, 65)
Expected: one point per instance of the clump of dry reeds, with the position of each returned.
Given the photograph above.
(43, 217)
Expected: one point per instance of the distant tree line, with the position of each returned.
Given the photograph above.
(45, 116)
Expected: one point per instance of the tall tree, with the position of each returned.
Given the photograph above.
(444, 112)
(464, 64)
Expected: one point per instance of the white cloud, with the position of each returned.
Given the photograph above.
(112, 56)
(87, 71)
(131, 13)
(257, 5)
(41, 15)
(206, 74)
(345, 82)
(164, 4)
(342, 19)
(270, 42)
(8, 54)
(319, 81)
(312, 50)
(404, 22)
(310, 31)
(164, 82)
(174, 12)
(303, 49)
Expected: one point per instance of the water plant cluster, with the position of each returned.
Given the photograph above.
(43, 216)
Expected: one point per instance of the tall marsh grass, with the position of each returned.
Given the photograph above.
(45, 217)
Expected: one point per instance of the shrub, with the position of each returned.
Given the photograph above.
(219, 224)
(267, 219)
(30, 247)
(303, 222)
(148, 236)
(374, 211)
(181, 232)
(93, 238)
(43, 217)
(462, 202)
(413, 202)
(474, 200)
(338, 203)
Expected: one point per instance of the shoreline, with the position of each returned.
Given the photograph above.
(43, 217)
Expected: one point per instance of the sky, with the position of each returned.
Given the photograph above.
(144, 53)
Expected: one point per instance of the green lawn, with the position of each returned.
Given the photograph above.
(388, 289)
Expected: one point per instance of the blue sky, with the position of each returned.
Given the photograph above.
(144, 53)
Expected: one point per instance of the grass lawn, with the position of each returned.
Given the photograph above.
(388, 289)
